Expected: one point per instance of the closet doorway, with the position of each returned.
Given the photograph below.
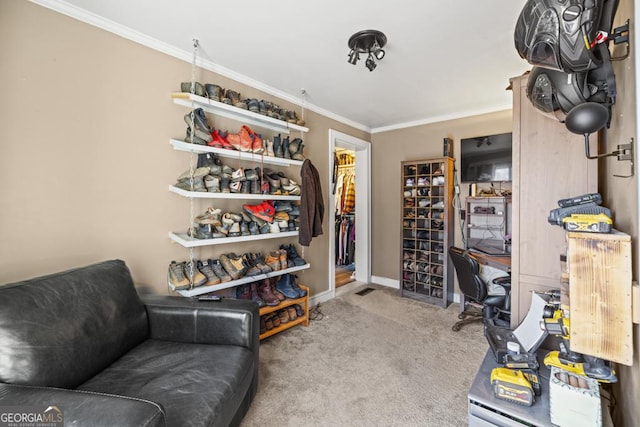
(344, 189)
(349, 210)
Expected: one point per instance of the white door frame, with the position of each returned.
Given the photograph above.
(362, 149)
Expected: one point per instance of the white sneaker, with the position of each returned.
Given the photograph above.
(274, 227)
(423, 182)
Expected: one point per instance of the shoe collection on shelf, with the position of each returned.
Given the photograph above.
(272, 117)
(190, 278)
(219, 180)
(427, 192)
(266, 279)
(200, 132)
(288, 312)
(217, 93)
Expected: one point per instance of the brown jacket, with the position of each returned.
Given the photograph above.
(311, 204)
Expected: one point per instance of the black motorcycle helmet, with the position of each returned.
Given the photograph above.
(563, 34)
(555, 93)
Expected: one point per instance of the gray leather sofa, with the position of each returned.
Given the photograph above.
(85, 341)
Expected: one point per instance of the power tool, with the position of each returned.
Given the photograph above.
(591, 223)
(512, 385)
(557, 324)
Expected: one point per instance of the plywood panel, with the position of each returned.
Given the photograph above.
(548, 164)
(600, 290)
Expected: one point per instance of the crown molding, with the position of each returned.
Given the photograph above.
(98, 21)
(442, 118)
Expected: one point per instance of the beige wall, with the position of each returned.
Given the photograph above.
(416, 143)
(86, 161)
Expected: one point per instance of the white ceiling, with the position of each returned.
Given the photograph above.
(443, 59)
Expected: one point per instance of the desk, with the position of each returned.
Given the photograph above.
(487, 410)
(501, 262)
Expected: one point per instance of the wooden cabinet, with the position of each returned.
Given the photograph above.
(548, 164)
(427, 230)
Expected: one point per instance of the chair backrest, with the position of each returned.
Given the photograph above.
(62, 329)
(468, 272)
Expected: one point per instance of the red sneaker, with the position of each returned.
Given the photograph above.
(256, 141)
(264, 211)
(241, 141)
(219, 141)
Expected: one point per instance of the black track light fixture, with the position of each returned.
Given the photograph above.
(370, 42)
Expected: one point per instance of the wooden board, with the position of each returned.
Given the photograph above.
(600, 290)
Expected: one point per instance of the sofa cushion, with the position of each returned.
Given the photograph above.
(62, 329)
(197, 384)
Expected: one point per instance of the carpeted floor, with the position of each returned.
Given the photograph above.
(373, 360)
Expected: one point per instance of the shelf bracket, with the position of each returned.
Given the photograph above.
(625, 152)
(621, 35)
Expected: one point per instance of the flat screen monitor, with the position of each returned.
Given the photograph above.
(486, 158)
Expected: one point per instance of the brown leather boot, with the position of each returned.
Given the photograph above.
(264, 291)
(277, 293)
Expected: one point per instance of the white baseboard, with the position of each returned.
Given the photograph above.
(395, 284)
(321, 297)
(385, 281)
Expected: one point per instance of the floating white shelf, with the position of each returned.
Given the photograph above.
(241, 196)
(232, 154)
(206, 289)
(229, 111)
(189, 242)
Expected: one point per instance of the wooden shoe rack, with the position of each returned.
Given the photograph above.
(304, 319)
(427, 230)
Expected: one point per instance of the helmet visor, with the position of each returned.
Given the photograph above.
(544, 98)
(545, 47)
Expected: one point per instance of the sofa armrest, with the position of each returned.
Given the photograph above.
(83, 408)
(226, 322)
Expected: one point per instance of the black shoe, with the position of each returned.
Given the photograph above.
(254, 187)
(252, 269)
(244, 229)
(253, 105)
(299, 310)
(200, 120)
(253, 228)
(277, 146)
(292, 254)
(285, 148)
(283, 206)
(206, 160)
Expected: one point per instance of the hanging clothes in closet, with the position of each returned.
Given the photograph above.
(345, 189)
(345, 240)
(345, 202)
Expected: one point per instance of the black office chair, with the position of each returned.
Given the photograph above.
(476, 303)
